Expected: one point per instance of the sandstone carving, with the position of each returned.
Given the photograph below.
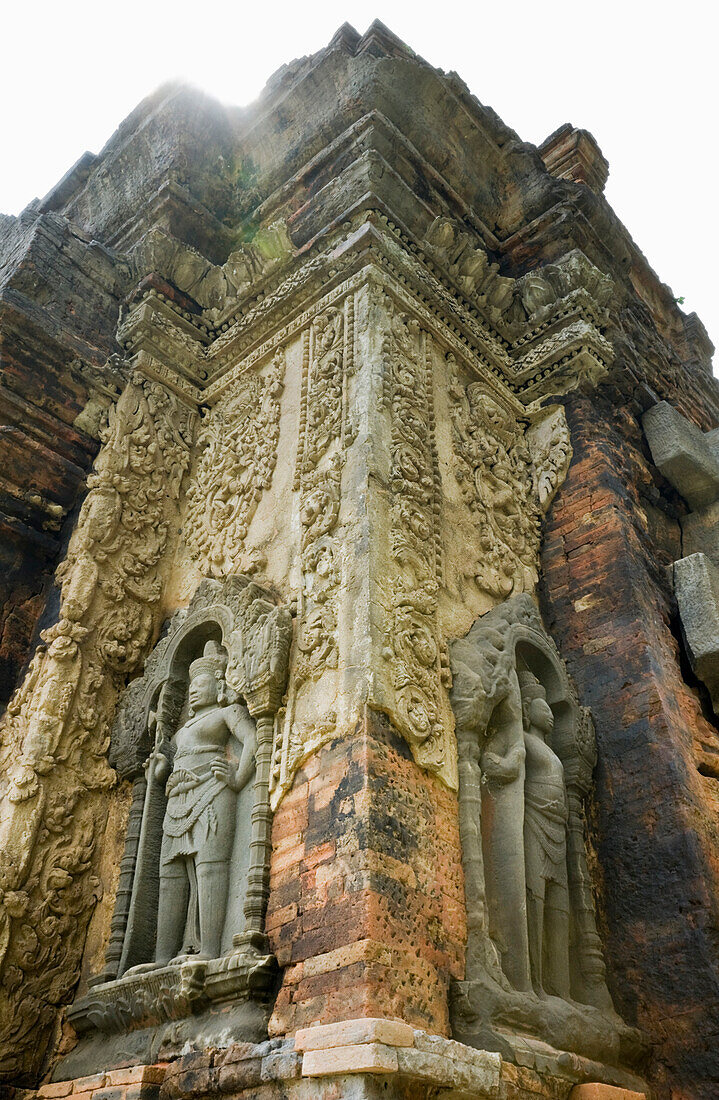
(199, 825)
(526, 748)
(689, 459)
(237, 449)
(351, 317)
(414, 649)
(572, 275)
(508, 474)
(212, 285)
(457, 252)
(56, 731)
(196, 870)
(318, 478)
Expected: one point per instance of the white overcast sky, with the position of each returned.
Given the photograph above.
(641, 76)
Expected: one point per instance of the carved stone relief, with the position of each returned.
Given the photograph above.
(55, 736)
(213, 286)
(458, 253)
(689, 459)
(526, 755)
(188, 928)
(508, 474)
(572, 274)
(318, 478)
(326, 431)
(414, 650)
(237, 448)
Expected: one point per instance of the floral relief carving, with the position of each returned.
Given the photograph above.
(508, 475)
(416, 656)
(56, 731)
(320, 475)
(237, 446)
(551, 449)
(324, 435)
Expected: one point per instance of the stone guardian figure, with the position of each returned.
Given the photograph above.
(199, 824)
(545, 845)
(503, 784)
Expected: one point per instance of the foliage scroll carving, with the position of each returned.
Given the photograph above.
(414, 650)
(55, 735)
(237, 445)
(325, 433)
(508, 475)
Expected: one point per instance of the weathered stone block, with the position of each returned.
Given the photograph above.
(360, 1058)
(390, 1032)
(603, 1092)
(137, 1075)
(681, 451)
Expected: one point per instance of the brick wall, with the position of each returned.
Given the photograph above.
(135, 1083)
(366, 908)
(606, 598)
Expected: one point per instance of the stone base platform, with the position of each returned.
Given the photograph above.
(360, 1060)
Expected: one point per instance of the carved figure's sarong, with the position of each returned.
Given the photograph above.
(198, 815)
(545, 836)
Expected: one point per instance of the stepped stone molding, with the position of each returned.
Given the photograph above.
(564, 344)
(574, 154)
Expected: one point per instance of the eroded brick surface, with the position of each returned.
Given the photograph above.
(366, 911)
(606, 598)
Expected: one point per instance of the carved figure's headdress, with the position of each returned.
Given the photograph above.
(530, 686)
(213, 660)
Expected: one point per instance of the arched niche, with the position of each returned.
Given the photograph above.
(167, 709)
(505, 647)
(255, 635)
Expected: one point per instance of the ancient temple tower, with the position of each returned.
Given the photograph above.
(359, 613)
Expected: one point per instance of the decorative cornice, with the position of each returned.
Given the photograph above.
(545, 335)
